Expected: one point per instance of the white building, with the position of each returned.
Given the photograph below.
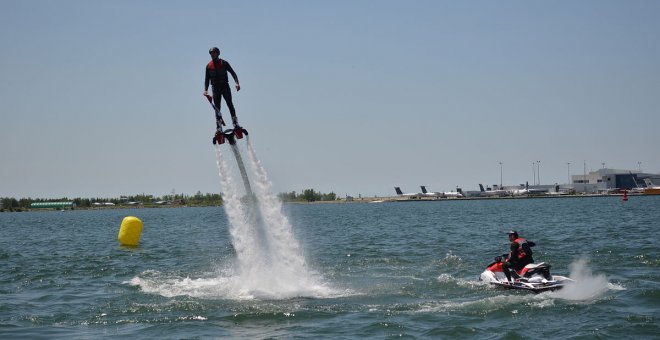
(610, 179)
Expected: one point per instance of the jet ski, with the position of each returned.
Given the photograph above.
(534, 277)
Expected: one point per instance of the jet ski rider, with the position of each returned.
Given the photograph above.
(520, 255)
(216, 75)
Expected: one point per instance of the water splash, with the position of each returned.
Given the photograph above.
(461, 282)
(210, 286)
(269, 261)
(224, 286)
(241, 224)
(285, 245)
(288, 269)
(450, 260)
(587, 286)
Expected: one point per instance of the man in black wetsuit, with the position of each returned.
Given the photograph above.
(216, 75)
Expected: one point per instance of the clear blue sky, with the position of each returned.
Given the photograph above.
(102, 98)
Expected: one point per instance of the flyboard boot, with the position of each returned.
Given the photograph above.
(220, 135)
(224, 135)
(238, 130)
(229, 135)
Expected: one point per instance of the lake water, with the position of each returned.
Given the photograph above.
(375, 270)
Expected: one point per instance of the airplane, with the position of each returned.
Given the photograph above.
(528, 191)
(651, 188)
(557, 192)
(446, 194)
(410, 195)
(491, 193)
(637, 189)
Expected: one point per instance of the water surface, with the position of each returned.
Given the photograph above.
(385, 270)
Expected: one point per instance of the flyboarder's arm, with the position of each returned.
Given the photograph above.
(233, 74)
(207, 79)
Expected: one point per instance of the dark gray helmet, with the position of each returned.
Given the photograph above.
(214, 49)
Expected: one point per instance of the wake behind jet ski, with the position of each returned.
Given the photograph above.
(533, 277)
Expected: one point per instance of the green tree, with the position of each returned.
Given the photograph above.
(310, 195)
(288, 196)
(329, 197)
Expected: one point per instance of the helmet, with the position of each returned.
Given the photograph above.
(214, 49)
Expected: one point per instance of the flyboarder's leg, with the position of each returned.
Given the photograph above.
(226, 92)
(218, 121)
(217, 99)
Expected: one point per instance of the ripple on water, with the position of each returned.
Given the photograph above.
(412, 271)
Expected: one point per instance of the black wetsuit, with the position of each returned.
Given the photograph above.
(216, 75)
(515, 261)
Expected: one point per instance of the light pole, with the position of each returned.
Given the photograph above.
(538, 168)
(584, 175)
(639, 166)
(500, 175)
(534, 173)
(568, 171)
(603, 165)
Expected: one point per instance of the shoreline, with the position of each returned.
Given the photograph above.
(387, 199)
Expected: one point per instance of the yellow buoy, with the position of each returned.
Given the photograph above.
(130, 230)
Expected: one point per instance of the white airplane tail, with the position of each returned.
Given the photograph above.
(649, 182)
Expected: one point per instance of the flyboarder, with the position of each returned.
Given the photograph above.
(216, 75)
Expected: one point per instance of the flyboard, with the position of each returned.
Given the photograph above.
(230, 135)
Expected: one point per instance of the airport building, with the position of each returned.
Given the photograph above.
(609, 179)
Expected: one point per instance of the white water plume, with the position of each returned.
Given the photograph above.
(269, 262)
(587, 286)
(288, 263)
(269, 258)
(280, 233)
(241, 226)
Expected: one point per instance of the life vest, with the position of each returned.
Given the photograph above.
(521, 249)
(211, 64)
(217, 72)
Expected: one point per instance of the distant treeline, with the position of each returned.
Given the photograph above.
(308, 195)
(13, 204)
(198, 199)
